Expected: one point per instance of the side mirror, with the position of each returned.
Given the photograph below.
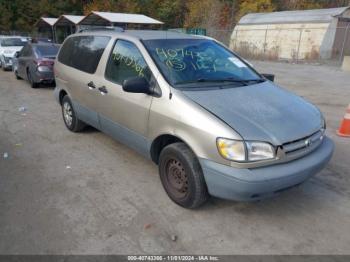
(17, 54)
(270, 77)
(137, 85)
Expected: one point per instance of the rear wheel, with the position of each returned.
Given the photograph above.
(31, 80)
(182, 176)
(69, 116)
(17, 76)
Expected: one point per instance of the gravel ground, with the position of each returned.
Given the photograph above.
(65, 193)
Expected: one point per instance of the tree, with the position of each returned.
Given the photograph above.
(210, 14)
(172, 12)
(6, 18)
(255, 6)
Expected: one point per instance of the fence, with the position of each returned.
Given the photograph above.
(14, 33)
(296, 44)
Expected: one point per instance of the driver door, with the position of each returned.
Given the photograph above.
(124, 115)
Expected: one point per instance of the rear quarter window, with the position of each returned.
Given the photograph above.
(83, 52)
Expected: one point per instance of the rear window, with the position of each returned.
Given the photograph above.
(83, 52)
(47, 50)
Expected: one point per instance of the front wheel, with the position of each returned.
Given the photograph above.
(69, 116)
(182, 176)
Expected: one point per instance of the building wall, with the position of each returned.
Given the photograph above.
(281, 41)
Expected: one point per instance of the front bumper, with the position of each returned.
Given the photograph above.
(7, 62)
(258, 183)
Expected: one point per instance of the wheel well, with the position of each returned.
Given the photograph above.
(159, 143)
(61, 95)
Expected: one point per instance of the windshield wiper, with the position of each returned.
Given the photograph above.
(222, 80)
(208, 80)
(259, 80)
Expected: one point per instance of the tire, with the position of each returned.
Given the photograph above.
(30, 80)
(17, 76)
(74, 124)
(182, 176)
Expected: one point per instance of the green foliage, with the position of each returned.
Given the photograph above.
(255, 6)
(220, 14)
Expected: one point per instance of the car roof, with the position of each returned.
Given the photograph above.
(143, 34)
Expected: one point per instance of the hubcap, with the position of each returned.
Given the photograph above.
(177, 178)
(67, 114)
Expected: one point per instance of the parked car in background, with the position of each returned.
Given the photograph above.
(40, 40)
(209, 120)
(8, 48)
(35, 63)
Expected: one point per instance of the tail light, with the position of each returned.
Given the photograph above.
(44, 62)
(44, 65)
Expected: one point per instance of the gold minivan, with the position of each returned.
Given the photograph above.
(212, 123)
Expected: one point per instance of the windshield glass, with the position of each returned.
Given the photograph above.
(46, 50)
(185, 61)
(13, 42)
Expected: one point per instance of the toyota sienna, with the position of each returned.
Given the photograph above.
(207, 118)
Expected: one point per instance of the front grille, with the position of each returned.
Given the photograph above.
(304, 145)
(7, 59)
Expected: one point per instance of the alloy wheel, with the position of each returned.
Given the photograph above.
(68, 114)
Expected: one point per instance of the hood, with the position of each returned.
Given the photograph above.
(262, 112)
(10, 51)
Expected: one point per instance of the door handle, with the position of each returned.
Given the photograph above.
(103, 90)
(91, 85)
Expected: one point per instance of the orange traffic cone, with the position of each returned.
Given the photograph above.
(344, 129)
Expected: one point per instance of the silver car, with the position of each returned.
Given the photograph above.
(212, 124)
(9, 46)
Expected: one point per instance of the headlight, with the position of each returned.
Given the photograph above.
(231, 149)
(245, 151)
(259, 151)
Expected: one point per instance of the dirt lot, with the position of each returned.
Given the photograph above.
(63, 193)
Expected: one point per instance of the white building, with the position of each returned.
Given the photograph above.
(308, 34)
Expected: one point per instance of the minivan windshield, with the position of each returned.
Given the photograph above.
(188, 61)
(13, 42)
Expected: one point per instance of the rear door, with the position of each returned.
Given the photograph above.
(125, 115)
(79, 58)
(23, 60)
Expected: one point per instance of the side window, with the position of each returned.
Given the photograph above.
(83, 52)
(30, 51)
(25, 51)
(125, 62)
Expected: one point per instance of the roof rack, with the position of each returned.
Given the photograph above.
(102, 28)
